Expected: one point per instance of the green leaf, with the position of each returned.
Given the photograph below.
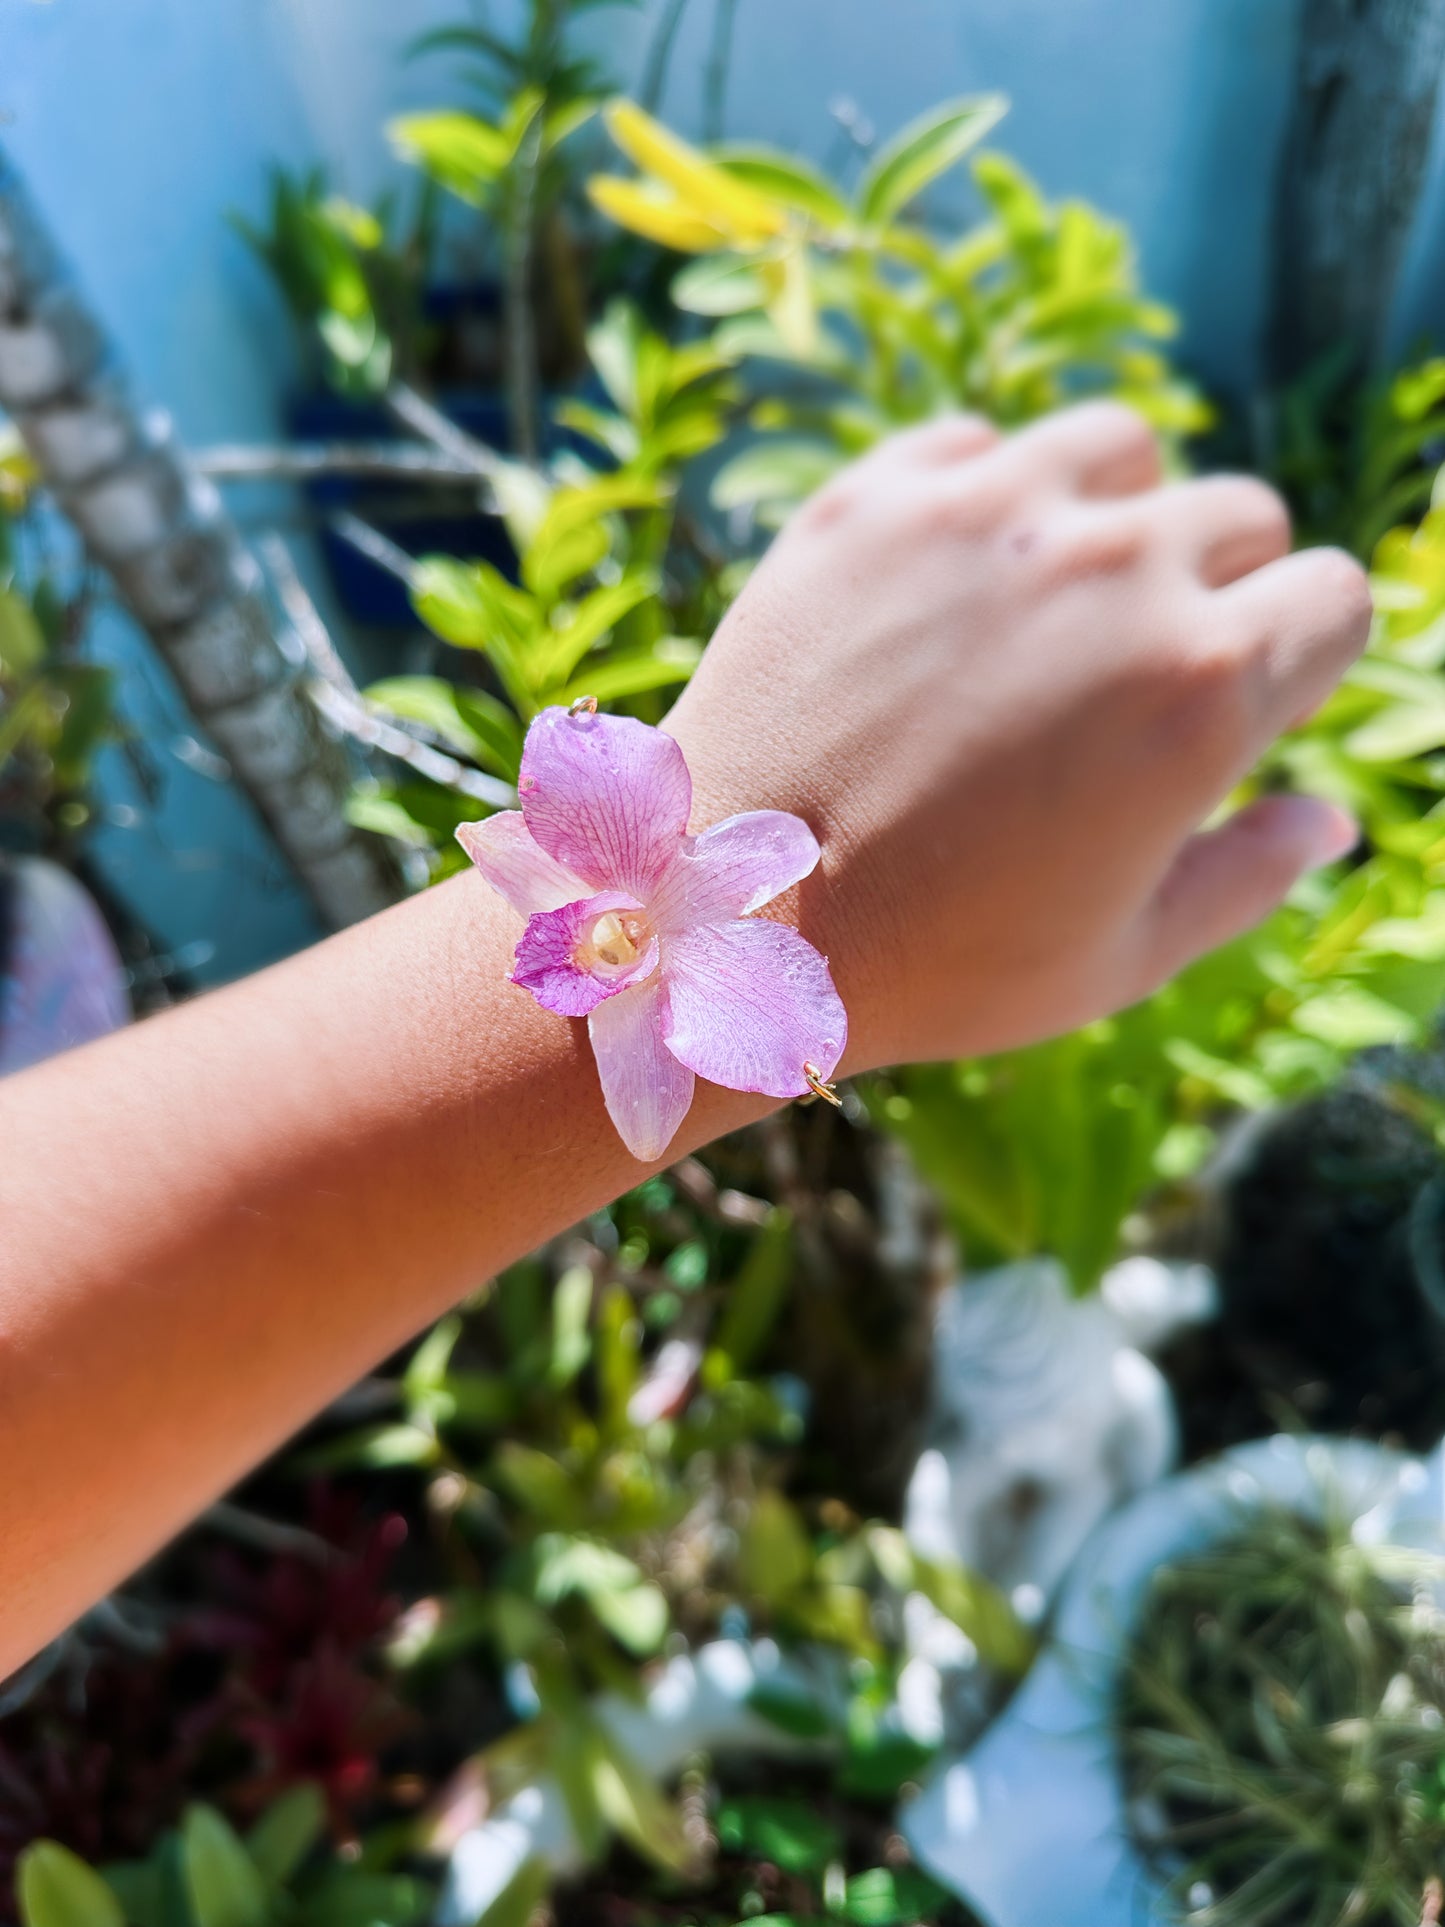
(377, 1448)
(775, 470)
(222, 1881)
(1350, 1018)
(22, 642)
(656, 665)
(790, 1711)
(427, 1366)
(55, 1888)
(558, 558)
(926, 148)
(593, 618)
(86, 692)
(415, 813)
(478, 1401)
(474, 607)
(881, 1762)
(775, 1556)
(889, 1897)
(573, 537)
(566, 1565)
(973, 1603)
(523, 1894)
(347, 1896)
(789, 1832)
(785, 178)
(636, 1616)
(147, 1890)
(286, 1833)
(470, 721)
(634, 1805)
(468, 156)
(757, 1297)
(1400, 731)
(571, 1338)
(537, 1482)
(720, 284)
(1014, 199)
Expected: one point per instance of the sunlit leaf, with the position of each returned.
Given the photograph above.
(926, 148)
(786, 179)
(728, 204)
(55, 1888)
(223, 1883)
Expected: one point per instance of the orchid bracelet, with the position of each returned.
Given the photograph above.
(648, 932)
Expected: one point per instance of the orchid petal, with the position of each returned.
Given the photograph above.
(605, 796)
(517, 867)
(547, 962)
(733, 868)
(646, 1089)
(749, 1004)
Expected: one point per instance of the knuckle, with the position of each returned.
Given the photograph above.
(837, 501)
(1088, 548)
(1114, 420)
(1255, 503)
(1210, 704)
(968, 507)
(958, 433)
(1343, 589)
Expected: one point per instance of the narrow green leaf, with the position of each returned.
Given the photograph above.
(22, 643)
(470, 721)
(924, 149)
(657, 665)
(223, 1883)
(376, 1447)
(571, 1339)
(286, 1833)
(758, 1294)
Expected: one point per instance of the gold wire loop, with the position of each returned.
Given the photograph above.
(819, 1086)
(582, 706)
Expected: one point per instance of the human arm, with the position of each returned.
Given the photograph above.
(1002, 682)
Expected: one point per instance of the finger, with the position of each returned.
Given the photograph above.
(938, 444)
(1224, 881)
(1222, 527)
(1096, 448)
(1304, 619)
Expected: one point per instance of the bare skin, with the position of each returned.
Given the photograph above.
(1004, 682)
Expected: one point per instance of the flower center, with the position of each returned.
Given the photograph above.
(614, 943)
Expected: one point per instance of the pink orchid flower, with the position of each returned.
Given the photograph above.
(647, 932)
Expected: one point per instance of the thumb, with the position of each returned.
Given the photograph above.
(1226, 880)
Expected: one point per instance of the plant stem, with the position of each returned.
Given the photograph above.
(719, 60)
(659, 54)
(521, 321)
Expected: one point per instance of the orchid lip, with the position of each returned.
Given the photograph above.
(614, 945)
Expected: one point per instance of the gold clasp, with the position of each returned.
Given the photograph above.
(819, 1086)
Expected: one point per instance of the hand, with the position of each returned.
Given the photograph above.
(1005, 681)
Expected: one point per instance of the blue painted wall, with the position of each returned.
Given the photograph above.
(139, 122)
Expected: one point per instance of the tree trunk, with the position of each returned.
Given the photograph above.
(178, 564)
(1366, 83)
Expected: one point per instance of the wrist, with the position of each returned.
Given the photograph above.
(729, 779)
